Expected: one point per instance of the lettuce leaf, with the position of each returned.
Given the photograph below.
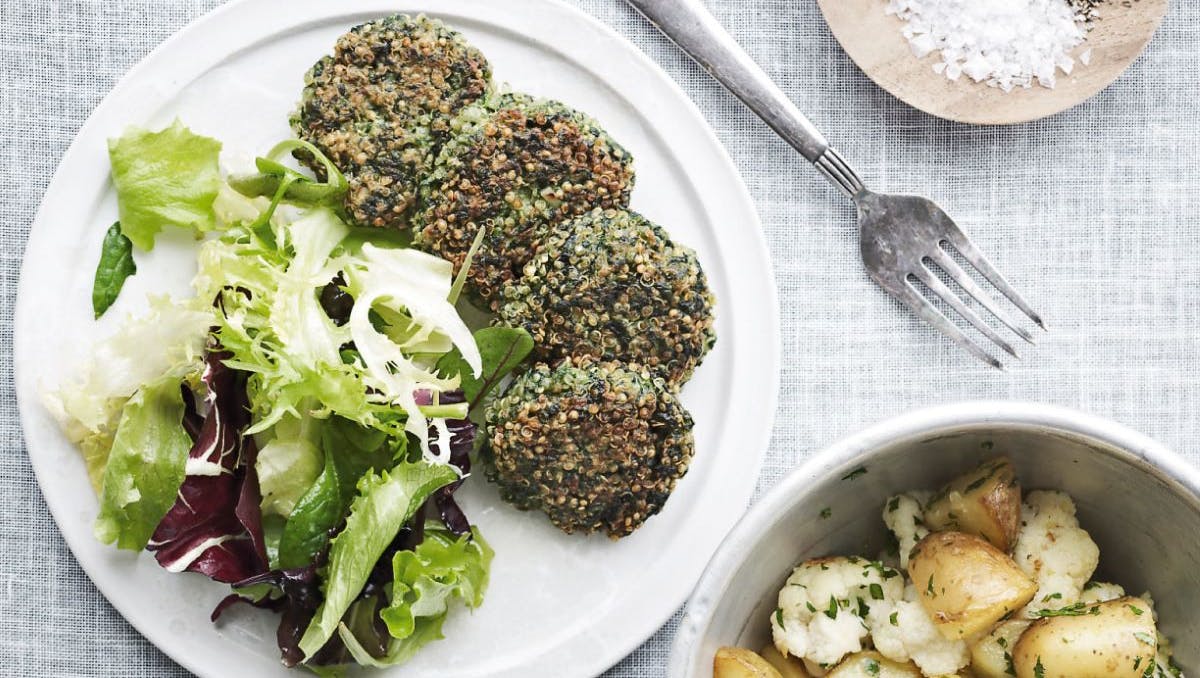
(350, 451)
(385, 503)
(167, 341)
(443, 568)
(165, 178)
(413, 285)
(289, 463)
(270, 278)
(274, 325)
(145, 467)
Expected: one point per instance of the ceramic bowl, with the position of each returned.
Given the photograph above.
(1139, 501)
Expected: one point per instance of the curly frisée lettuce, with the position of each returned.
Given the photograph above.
(416, 287)
(277, 329)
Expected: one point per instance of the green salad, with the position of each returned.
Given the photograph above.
(297, 428)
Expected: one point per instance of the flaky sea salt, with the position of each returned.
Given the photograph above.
(1004, 43)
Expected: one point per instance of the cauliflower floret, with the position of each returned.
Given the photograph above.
(822, 605)
(1099, 592)
(1054, 550)
(902, 631)
(902, 515)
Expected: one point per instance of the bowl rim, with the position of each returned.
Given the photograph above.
(1125, 442)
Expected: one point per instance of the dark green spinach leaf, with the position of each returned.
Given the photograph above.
(116, 264)
(350, 452)
(502, 349)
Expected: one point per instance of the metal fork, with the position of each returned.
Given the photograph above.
(903, 238)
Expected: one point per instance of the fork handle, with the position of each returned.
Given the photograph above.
(688, 24)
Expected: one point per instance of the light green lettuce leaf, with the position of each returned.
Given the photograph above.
(270, 275)
(145, 466)
(289, 463)
(165, 178)
(399, 651)
(167, 340)
(385, 502)
(440, 570)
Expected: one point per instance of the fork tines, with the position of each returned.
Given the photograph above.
(941, 258)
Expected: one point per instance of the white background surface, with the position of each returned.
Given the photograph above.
(1090, 213)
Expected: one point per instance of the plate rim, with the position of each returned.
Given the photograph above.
(756, 247)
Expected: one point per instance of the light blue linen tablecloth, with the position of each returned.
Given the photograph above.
(1091, 213)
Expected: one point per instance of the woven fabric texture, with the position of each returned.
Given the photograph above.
(1091, 213)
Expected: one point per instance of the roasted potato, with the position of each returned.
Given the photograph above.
(788, 667)
(985, 502)
(873, 665)
(991, 655)
(1116, 639)
(736, 662)
(966, 584)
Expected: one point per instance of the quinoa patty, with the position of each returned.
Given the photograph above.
(380, 106)
(596, 446)
(611, 285)
(518, 165)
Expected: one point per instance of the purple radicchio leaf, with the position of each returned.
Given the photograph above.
(212, 529)
(462, 440)
(297, 594)
(192, 421)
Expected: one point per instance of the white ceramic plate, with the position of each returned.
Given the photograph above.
(557, 605)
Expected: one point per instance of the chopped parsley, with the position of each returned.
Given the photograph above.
(1076, 610)
(872, 667)
(893, 619)
(893, 504)
(832, 611)
(1136, 610)
(1008, 664)
(1039, 671)
(1145, 638)
(810, 607)
(876, 591)
(929, 588)
(826, 512)
(779, 617)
